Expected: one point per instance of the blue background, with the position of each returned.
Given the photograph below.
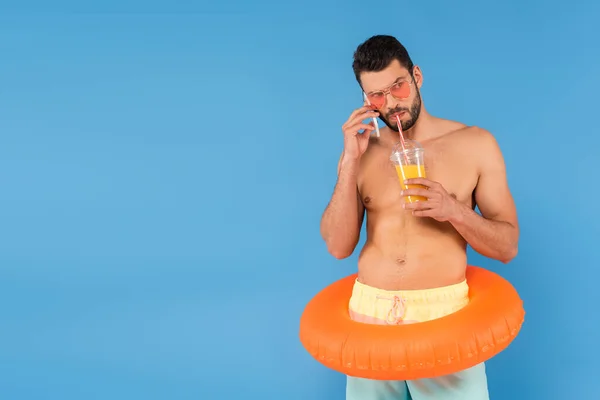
(163, 175)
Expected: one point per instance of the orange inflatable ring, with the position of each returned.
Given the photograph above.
(476, 333)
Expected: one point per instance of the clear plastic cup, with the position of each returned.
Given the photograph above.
(409, 162)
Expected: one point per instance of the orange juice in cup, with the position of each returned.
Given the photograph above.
(407, 157)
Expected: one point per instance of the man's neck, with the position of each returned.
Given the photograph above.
(422, 129)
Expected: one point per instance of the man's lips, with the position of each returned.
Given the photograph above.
(397, 114)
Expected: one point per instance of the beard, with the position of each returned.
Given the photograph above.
(414, 111)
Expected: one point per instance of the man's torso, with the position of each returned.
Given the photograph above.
(407, 252)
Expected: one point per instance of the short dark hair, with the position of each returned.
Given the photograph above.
(377, 52)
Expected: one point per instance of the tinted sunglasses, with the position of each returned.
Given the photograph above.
(399, 90)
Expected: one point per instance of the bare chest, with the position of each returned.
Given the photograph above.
(379, 183)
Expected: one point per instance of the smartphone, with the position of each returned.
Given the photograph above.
(374, 119)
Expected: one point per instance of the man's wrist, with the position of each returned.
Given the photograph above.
(349, 163)
(461, 212)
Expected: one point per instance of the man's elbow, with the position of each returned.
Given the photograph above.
(512, 248)
(339, 252)
(510, 254)
(340, 255)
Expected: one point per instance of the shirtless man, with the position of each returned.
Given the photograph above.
(415, 251)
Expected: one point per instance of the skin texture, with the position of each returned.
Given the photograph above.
(419, 245)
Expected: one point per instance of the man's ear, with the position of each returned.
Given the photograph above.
(418, 76)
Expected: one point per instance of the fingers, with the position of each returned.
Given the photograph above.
(424, 213)
(420, 205)
(356, 112)
(367, 127)
(357, 127)
(358, 116)
(353, 130)
(419, 192)
(424, 182)
(370, 106)
(361, 110)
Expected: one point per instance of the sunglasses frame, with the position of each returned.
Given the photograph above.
(387, 91)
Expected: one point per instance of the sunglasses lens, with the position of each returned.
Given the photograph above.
(400, 90)
(377, 100)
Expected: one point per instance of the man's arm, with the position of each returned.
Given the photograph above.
(494, 234)
(343, 217)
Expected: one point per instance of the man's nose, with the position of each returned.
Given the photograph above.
(390, 100)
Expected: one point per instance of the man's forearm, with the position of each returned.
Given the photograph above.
(493, 239)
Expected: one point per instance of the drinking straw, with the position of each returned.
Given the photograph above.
(402, 138)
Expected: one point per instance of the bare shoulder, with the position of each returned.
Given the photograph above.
(483, 140)
(474, 139)
(470, 132)
(482, 136)
(481, 145)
